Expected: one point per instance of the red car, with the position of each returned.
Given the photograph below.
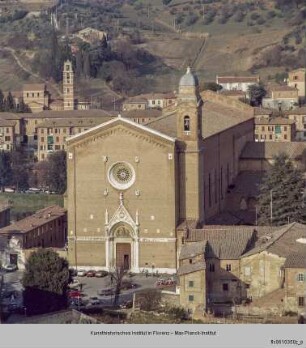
(90, 274)
(74, 294)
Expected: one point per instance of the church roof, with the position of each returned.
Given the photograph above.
(217, 117)
(190, 250)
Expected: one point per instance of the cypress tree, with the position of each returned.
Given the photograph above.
(283, 190)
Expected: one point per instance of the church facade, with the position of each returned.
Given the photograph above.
(131, 187)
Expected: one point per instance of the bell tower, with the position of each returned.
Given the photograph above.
(189, 133)
(68, 86)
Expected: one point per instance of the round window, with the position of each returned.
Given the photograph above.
(121, 175)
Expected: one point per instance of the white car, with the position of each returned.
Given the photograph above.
(81, 273)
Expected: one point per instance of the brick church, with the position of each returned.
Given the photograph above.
(132, 187)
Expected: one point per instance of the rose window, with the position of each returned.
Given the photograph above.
(121, 175)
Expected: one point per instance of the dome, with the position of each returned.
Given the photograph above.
(188, 79)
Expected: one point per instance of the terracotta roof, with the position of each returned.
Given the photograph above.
(190, 268)
(135, 100)
(267, 150)
(276, 88)
(190, 250)
(237, 79)
(34, 87)
(224, 243)
(73, 122)
(147, 113)
(296, 260)
(233, 93)
(40, 218)
(11, 115)
(262, 111)
(282, 242)
(71, 114)
(297, 111)
(7, 123)
(274, 121)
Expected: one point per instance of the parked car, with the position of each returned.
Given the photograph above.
(106, 292)
(33, 190)
(74, 284)
(101, 274)
(74, 294)
(81, 273)
(93, 301)
(10, 268)
(9, 189)
(90, 273)
(127, 285)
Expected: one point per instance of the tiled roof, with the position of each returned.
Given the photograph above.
(147, 113)
(297, 111)
(135, 100)
(34, 87)
(71, 114)
(237, 79)
(12, 116)
(296, 260)
(40, 218)
(262, 111)
(267, 150)
(276, 88)
(190, 268)
(282, 242)
(73, 122)
(274, 121)
(233, 93)
(7, 123)
(190, 250)
(224, 243)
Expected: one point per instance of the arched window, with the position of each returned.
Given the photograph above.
(186, 123)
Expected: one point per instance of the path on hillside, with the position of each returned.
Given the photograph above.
(165, 24)
(20, 64)
(199, 54)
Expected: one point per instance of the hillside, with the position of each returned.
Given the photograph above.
(151, 43)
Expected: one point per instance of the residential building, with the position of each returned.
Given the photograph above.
(274, 129)
(142, 116)
(235, 94)
(91, 35)
(46, 228)
(240, 83)
(234, 264)
(295, 281)
(36, 96)
(7, 135)
(52, 134)
(297, 79)
(299, 117)
(281, 97)
(135, 103)
(141, 213)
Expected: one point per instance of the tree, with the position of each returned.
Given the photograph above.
(9, 102)
(166, 2)
(20, 169)
(5, 169)
(57, 177)
(282, 194)
(1, 101)
(117, 277)
(211, 86)
(149, 300)
(256, 93)
(45, 282)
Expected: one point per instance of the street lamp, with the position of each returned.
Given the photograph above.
(271, 206)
